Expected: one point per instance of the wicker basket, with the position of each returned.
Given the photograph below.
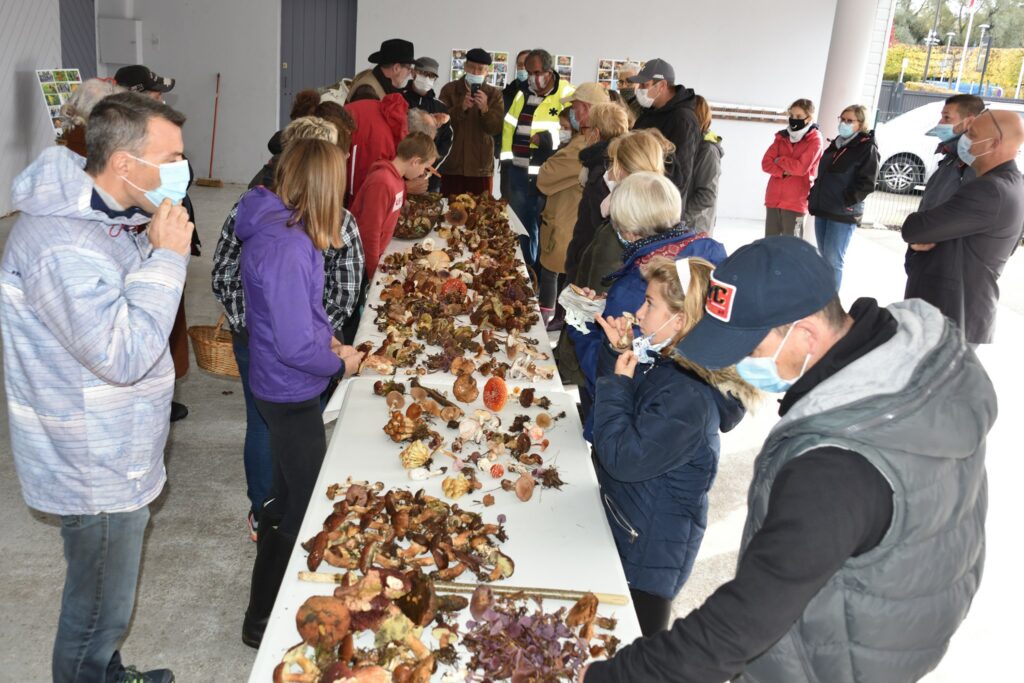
(213, 348)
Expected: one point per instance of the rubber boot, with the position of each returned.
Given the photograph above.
(273, 550)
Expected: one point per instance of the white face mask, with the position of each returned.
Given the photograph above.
(404, 81)
(564, 136)
(423, 84)
(798, 135)
(643, 99)
(537, 83)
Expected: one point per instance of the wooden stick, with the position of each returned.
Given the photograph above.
(456, 587)
(433, 171)
(551, 593)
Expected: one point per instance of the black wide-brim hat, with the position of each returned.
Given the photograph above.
(394, 51)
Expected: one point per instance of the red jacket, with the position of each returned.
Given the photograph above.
(380, 126)
(376, 210)
(799, 161)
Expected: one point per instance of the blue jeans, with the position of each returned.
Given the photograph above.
(259, 466)
(833, 238)
(102, 552)
(527, 202)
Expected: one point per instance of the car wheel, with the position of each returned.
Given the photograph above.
(901, 174)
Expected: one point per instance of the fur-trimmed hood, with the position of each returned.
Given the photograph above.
(733, 397)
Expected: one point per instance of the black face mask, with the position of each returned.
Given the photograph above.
(797, 124)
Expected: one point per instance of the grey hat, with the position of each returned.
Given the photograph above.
(655, 70)
(427, 64)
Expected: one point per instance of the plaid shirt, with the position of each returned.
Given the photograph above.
(344, 269)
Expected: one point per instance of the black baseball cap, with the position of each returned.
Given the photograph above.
(655, 70)
(140, 79)
(771, 282)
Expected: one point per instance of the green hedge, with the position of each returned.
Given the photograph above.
(1003, 65)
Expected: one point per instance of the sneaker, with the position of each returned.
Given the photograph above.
(178, 411)
(250, 521)
(133, 675)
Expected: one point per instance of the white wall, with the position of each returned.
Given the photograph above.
(29, 40)
(754, 52)
(192, 40)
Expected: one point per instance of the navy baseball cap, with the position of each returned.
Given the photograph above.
(771, 282)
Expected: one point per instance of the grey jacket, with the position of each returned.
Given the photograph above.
(918, 408)
(700, 212)
(983, 221)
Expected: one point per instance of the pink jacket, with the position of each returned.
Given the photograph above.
(799, 163)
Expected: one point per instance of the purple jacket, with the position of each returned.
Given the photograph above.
(283, 279)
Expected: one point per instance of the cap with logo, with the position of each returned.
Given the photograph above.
(479, 55)
(591, 93)
(427, 65)
(139, 78)
(771, 282)
(655, 70)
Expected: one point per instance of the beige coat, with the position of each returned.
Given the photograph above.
(559, 179)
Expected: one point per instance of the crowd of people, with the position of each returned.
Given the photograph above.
(864, 540)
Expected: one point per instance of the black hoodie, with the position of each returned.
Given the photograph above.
(677, 121)
(595, 160)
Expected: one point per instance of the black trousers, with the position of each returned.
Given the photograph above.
(652, 611)
(297, 446)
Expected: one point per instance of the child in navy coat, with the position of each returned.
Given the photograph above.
(656, 436)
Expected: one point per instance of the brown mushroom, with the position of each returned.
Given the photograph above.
(465, 388)
(524, 486)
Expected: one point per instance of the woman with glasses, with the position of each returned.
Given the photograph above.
(846, 176)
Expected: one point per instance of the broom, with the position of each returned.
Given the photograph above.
(210, 181)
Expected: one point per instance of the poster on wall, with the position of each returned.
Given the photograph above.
(458, 64)
(497, 75)
(56, 86)
(608, 71)
(563, 64)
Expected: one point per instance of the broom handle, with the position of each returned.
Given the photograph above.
(213, 138)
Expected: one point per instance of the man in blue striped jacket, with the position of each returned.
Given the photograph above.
(87, 301)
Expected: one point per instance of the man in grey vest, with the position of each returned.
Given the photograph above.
(864, 541)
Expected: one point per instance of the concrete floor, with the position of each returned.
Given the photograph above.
(194, 583)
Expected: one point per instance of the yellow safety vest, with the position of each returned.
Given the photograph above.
(545, 120)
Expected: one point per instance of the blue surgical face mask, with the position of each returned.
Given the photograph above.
(174, 177)
(963, 149)
(522, 75)
(644, 349)
(763, 373)
(942, 131)
(845, 130)
(573, 121)
(474, 79)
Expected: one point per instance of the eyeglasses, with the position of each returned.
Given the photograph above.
(851, 121)
(999, 130)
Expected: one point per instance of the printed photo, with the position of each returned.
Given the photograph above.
(45, 76)
(564, 60)
(53, 100)
(59, 76)
(64, 88)
(457, 64)
(458, 54)
(564, 70)
(606, 64)
(54, 112)
(50, 88)
(604, 75)
(499, 68)
(500, 56)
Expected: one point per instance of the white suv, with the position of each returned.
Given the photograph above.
(908, 157)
